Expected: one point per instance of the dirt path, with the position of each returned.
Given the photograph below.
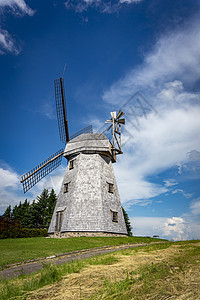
(30, 267)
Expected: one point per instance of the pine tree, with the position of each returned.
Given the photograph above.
(19, 212)
(49, 209)
(7, 213)
(127, 222)
(16, 212)
(24, 213)
(41, 210)
(32, 216)
(40, 207)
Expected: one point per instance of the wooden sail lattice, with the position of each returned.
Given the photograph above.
(87, 129)
(30, 178)
(61, 110)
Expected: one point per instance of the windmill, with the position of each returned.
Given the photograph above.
(88, 203)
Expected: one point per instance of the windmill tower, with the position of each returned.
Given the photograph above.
(88, 203)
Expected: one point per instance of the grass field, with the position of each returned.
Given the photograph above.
(19, 250)
(159, 271)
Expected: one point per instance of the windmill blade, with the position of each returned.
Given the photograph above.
(107, 129)
(120, 114)
(121, 121)
(32, 177)
(87, 129)
(113, 114)
(148, 103)
(61, 110)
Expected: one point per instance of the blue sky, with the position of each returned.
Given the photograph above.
(112, 50)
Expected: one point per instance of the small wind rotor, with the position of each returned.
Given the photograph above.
(115, 127)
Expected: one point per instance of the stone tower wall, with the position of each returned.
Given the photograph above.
(86, 206)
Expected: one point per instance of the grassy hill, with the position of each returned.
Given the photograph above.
(20, 250)
(160, 271)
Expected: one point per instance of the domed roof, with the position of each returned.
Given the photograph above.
(89, 136)
(88, 143)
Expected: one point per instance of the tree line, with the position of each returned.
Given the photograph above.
(28, 219)
(35, 217)
(36, 214)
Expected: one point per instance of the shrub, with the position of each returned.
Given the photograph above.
(11, 228)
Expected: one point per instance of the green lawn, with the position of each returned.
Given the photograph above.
(159, 271)
(19, 250)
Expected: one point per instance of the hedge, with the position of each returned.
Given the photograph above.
(10, 228)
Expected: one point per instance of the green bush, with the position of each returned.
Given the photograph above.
(35, 232)
(11, 228)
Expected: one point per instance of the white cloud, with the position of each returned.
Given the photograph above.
(171, 90)
(175, 228)
(101, 5)
(186, 195)
(159, 142)
(174, 58)
(130, 1)
(194, 155)
(96, 123)
(11, 190)
(191, 166)
(47, 109)
(18, 6)
(182, 228)
(195, 207)
(7, 42)
(147, 226)
(179, 165)
(8, 178)
(133, 188)
(170, 182)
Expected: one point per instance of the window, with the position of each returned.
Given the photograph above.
(71, 164)
(110, 187)
(59, 220)
(114, 216)
(66, 187)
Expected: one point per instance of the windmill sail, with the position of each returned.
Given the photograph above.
(87, 129)
(32, 177)
(61, 110)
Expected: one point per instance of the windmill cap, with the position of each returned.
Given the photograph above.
(88, 143)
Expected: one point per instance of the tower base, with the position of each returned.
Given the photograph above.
(70, 234)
